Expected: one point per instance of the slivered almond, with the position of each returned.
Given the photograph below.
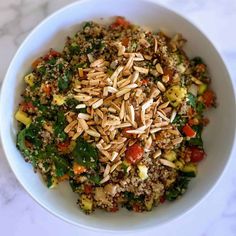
(131, 86)
(97, 104)
(126, 96)
(80, 106)
(131, 113)
(112, 134)
(164, 105)
(173, 115)
(159, 68)
(76, 135)
(93, 133)
(148, 143)
(147, 104)
(99, 113)
(114, 155)
(70, 126)
(140, 130)
(105, 179)
(129, 63)
(83, 124)
(142, 115)
(115, 166)
(148, 57)
(135, 76)
(138, 92)
(163, 116)
(107, 170)
(112, 122)
(144, 42)
(173, 131)
(112, 110)
(165, 78)
(97, 63)
(121, 50)
(177, 140)
(154, 93)
(161, 86)
(124, 83)
(167, 163)
(155, 45)
(82, 97)
(122, 110)
(161, 124)
(122, 92)
(123, 125)
(141, 70)
(116, 72)
(105, 91)
(196, 81)
(84, 116)
(157, 154)
(111, 89)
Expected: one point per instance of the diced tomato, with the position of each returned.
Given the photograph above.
(120, 21)
(27, 106)
(50, 54)
(36, 62)
(125, 134)
(88, 188)
(78, 169)
(208, 98)
(125, 42)
(136, 207)
(197, 154)
(134, 153)
(162, 199)
(47, 89)
(113, 209)
(144, 82)
(189, 131)
(63, 146)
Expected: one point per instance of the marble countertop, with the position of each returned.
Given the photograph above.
(21, 215)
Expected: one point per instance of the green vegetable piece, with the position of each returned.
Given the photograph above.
(63, 83)
(85, 154)
(200, 107)
(202, 88)
(74, 49)
(177, 189)
(192, 100)
(21, 142)
(197, 60)
(197, 141)
(189, 170)
(61, 165)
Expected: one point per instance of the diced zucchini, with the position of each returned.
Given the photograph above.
(23, 118)
(179, 165)
(58, 99)
(170, 155)
(29, 79)
(190, 170)
(149, 204)
(86, 203)
(176, 95)
(202, 88)
(143, 170)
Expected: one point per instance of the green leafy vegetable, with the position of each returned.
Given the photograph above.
(177, 189)
(200, 107)
(197, 60)
(60, 125)
(192, 100)
(197, 141)
(85, 154)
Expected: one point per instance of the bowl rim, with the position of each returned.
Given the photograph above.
(93, 228)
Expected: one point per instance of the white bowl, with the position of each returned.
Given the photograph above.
(218, 136)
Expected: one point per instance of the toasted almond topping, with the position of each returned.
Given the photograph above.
(105, 179)
(135, 76)
(111, 89)
(97, 63)
(131, 113)
(97, 104)
(76, 135)
(107, 170)
(159, 68)
(112, 122)
(177, 140)
(164, 105)
(154, 130)
(155, 45)
(161, 86)
(163, 116)
(173, 115)
(141, 70)
(81, 72)
(116, 72)
(114, 155)
(165, 78)
(82, 97)
(144, 42)
(129, 63)
(157, 154)
(147, 104)
(83, 124)
(105, 91)
(148, 144)
(115, 166)
(122, 110)
(167, 163)
(93, 133)
(80, 106)
(196, 81)
(131, 86)
(84, 116)
(70, 126)
(122, 92)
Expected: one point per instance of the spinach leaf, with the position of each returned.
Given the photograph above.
(177, 189)
(95, 179)
(200, 107)
(60, 125)
(85, 154)
(74, 49)
(192, 100)
(180, 121)
(21, 142)
(197, 141)
(61, 164)
(64, 81)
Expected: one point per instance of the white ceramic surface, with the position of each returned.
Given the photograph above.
(52, 33)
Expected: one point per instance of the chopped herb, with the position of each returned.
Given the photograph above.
(197, 141)
(192, 100)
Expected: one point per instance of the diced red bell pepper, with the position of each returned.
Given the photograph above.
(134, 153)
(189, 131)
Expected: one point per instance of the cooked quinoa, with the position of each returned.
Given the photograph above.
(119, 114)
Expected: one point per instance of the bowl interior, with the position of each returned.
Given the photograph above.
(218, 136)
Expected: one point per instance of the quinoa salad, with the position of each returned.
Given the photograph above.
(118, 114)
